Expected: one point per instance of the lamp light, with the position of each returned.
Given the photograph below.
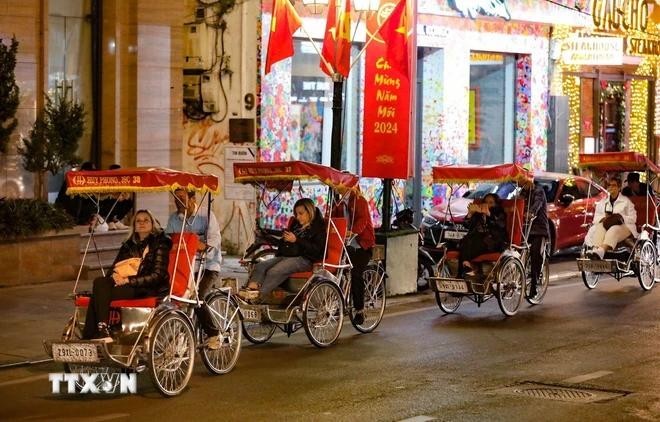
(366, 5)
(315, 6)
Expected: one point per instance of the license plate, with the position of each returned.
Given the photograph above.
(75, 352)
(596, 266)
(454, 235)
(251, 315)
(452, 286)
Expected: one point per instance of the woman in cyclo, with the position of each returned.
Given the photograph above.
(614, 220)
(146, 241)
(302, 244)
(486, 224)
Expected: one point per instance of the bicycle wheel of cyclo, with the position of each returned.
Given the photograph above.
(542, 287)
(510, 286)
(258, 332)
(645, 264)
(226, 318)
(590, 279)
(448, 302)
(374, 299)
(323, 313)
(171, 353)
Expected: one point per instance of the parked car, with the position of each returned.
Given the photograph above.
(569, 199)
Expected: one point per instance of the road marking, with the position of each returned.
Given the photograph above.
(420, 418)
(586, 377)
(24, 380)
(108, 417)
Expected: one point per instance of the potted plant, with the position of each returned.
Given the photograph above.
(8, 92)
(52, 142)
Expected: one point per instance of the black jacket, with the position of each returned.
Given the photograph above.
(538, 207)
(152, 277)
(491, 229)
(310, 241)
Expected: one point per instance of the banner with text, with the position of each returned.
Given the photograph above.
(386, 139)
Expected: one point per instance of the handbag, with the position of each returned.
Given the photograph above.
(129, 267)
(612, 220)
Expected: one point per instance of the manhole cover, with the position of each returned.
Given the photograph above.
(557, 392)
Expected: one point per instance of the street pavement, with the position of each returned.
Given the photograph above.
(30, 314)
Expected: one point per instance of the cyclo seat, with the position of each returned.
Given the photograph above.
(643, 211)
(511, 207)
(332, 257)
(181, 262)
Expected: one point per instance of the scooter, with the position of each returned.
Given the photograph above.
(263, 247)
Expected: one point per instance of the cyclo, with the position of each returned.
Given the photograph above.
(316, 300)
(160, 334)
(632, 257)
(504, 274)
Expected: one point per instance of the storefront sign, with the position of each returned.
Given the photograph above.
(642, 47)
(474, 8)
(620, 15)
(386, 141)
(592, 51)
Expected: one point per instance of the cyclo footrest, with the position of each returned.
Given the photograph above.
(597, 265)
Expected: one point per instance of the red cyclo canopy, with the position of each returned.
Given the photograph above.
(618, 161)
(138, 180)
(455, 174)
(280, 175)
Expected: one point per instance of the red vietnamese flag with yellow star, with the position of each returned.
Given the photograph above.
(284, 23)
(337, 40)
(394, 33)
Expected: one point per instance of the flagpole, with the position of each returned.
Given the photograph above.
(371, 38)
(325, 62)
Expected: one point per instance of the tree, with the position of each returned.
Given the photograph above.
(52, 142)
(8, 92)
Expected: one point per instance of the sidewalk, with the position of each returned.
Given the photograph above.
(33, 313)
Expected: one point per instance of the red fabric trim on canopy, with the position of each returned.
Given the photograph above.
(473, 173)
(618, 161)
(138, 180)
(288, 171)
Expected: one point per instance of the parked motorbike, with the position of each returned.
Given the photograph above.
(263, 247)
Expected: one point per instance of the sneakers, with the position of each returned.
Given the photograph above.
(213, 342)
(358, 317)
(248, 294)
(117, 225)
(112, 226)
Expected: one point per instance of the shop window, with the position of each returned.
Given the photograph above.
(491, 108)
(311, 109)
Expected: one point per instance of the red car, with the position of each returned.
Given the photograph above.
(568, 198)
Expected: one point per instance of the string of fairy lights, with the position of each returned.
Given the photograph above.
(565, 77)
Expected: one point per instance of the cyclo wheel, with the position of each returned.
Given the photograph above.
(447, 302)
(645, 265)
(511, 286)
(374, 299)
(258, 332)
(227, 320)
(542, 288)
(323, 313)
(590, 279)
(171, 354)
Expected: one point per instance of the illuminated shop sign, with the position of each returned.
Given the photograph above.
(474, 8)
(592, 50)
(620, 15)
(642, 47)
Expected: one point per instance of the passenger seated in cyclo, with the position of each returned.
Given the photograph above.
(302, 244)
(614, 219)
(486, 224)
(634, 187)
(147, 242)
